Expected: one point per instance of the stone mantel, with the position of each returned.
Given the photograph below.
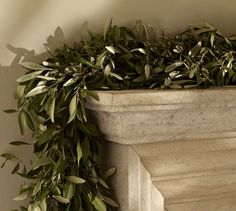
(172, 148)
(166, 115)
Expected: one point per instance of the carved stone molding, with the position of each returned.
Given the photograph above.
(172, 148)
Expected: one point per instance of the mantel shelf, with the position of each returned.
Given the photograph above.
(147, 116)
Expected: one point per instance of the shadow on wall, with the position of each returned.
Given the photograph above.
(156, 13)
(21, 54)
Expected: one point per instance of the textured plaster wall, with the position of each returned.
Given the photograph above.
(26, 25)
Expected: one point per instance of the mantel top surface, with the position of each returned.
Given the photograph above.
(126, 100)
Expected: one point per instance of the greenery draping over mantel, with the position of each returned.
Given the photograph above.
(51, 100)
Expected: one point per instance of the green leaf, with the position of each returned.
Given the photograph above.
(192, 71)
(111, 49)
(109, 173)
(103, 183)
(73, 108)
(62, 199)
(9, 111)
(174, 86)
(43, 205)
(108, 26)
(82, 106)
(37, 188)
(70, 82)
(88, 63)
(141, 50)
(34, 66)
(75, 180)
(46, 78)
(93, 94)
(193, 52)
(20, 91)
(37, 90)
(167, 81)
(173, 66)
(19, 143)
(60, 166)
(158, 70)
(85, 146)
(180, 82)
(29, 76)
(69, 191)
(116, 76)
(41, 162)
(110, 201)
(98, 203)
(22, 121)
(47, 135)
(147, 70)
(29, 121)
(79, 152)
(22, 196)
(212, 38)
(51, 109)
(190, 86)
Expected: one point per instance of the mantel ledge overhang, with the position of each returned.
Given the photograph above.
(149, 116)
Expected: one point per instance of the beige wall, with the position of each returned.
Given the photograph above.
(28, 23)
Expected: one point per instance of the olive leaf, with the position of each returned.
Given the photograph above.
(79, 152)
(34, 66)
(51, 109)
(147, 70)
(73, 108)
(195, 49)
(111, 49)
(37, 90)
(75, 180)
(173, 66)
(98, 203)
(110, 201)
(22, 121)
(62, 199)
(29, 76)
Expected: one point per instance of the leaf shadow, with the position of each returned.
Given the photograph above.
(21, 54)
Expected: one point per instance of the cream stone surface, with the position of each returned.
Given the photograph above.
(169, 159)
(132, 183)
(166, 115)
(228, 204)
(181, 144)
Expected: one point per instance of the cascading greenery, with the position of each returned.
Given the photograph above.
(51, 100)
